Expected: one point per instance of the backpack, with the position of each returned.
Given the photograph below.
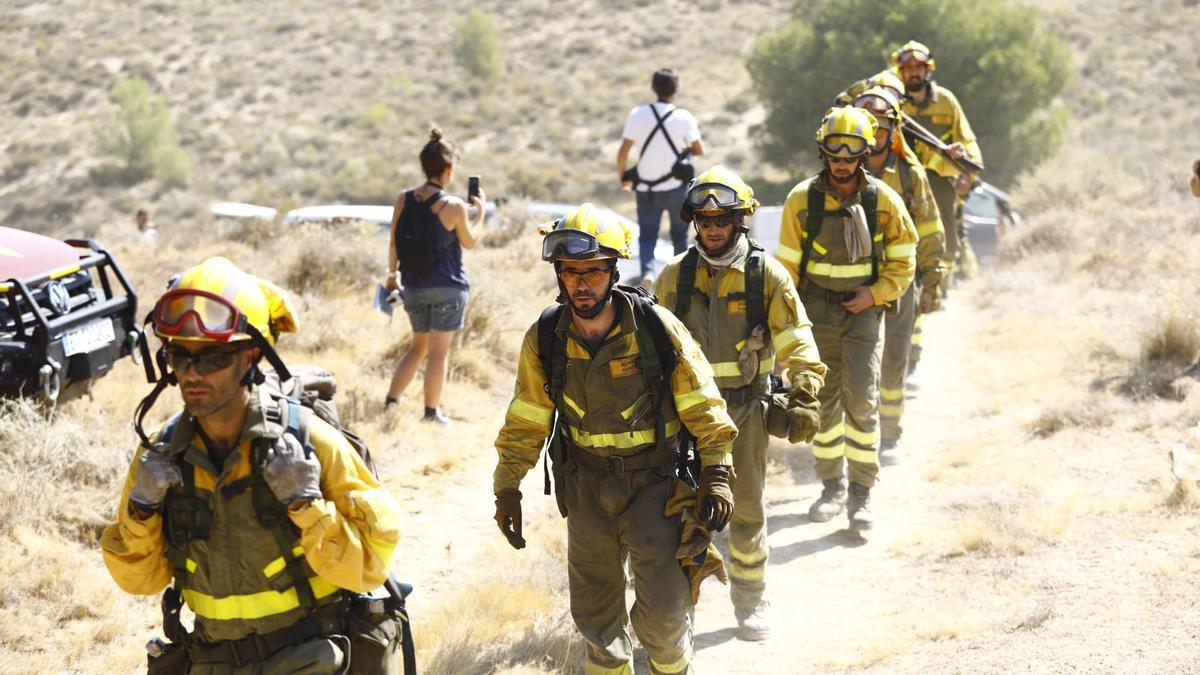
(657, 360)
(417, 237)
(756, 307)
(817, 212)
(309, 392)
(682, 169)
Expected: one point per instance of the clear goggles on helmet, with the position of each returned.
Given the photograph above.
(911, 56)
(571, 244)
(847, 144)
(876, 105)
(720, 196)
(213, 317)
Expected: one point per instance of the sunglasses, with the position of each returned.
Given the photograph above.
(836, 159)
(724, 220)
(205, 362)
(594, 276)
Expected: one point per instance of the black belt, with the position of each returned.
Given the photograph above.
(741, 395)
(832, 297)
(619, 464)
(255, 648)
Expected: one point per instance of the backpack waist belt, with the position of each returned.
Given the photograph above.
(755, 390)
(256, 648)
(812, 290)
(618, 464)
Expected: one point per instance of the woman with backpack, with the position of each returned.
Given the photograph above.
(429, 231)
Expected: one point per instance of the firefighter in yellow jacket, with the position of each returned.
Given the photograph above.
(616, 378)
(938, 110)
(741, 306)
(271, 539)
(849, 244)
(893, 162)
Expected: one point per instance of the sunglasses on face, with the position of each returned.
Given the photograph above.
(834, 159)
(724, 220)
(594, 276)
(205, 362)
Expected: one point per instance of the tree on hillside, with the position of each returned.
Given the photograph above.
(477, 47)
(994, 55)
(141, 138)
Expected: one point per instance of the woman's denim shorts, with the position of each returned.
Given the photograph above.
(440, 309)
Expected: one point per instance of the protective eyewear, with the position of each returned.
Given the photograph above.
(570, 244)
(912, 56)
(205, 362)
(836, 144)
(594, 276)
(721, 196)
(213, 316)
(876, 105)
(838, 159)
(723, 220)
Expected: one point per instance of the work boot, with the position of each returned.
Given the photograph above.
(752, 623)
(857, 507)
(889, 452)
(830, 503)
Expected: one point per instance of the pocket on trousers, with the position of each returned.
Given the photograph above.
(374, 642)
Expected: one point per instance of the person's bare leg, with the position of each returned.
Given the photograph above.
(436, 366)
(407, 368)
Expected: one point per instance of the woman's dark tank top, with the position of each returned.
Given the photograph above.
(449, 271)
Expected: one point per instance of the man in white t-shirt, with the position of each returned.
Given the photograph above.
(657, 189)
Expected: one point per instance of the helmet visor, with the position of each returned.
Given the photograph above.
(571, 244)
(212, 317)
(712, 196)
(912, 56)
(844, 144)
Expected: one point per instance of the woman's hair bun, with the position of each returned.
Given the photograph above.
(435, 134)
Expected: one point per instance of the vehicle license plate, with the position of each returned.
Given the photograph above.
(92, 336)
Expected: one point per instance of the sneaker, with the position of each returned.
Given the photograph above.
(752, 624)
(857, 507)
(437, 418)
(889, 452)
(830, 503)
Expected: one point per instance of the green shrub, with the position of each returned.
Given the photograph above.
(477, 47)
(142, 139)
(1003, 66)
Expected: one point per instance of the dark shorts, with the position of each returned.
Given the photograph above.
(440, 309)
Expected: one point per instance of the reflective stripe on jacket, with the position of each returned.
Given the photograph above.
(718, 321)
(829, 266)
(942, 114)
(608, 406)
(235, 580)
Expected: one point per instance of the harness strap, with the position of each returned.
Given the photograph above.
(685, 288)
(255, 648)
(817, 214)
(756, 310)
(659, 124)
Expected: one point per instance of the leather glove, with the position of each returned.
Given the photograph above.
(157, 472)
(508, 516)
(292, 472)
(803, 422)
(714, 497)
(930, 301)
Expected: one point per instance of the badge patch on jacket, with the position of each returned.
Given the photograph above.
(942, 119)
(736, 306)
(623, 367)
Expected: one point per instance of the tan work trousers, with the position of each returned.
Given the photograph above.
(748, 527)
(850, 346)
(610, 515)
(897, 344)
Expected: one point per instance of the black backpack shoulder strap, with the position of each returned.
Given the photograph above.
(551, 351)
(756, 306)
(812, 225)
(657, 359)
(870, 204)
(906, 178)
(685, 286)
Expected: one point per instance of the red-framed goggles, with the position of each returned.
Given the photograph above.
(571, 244)
(912, 56)
(844, 144)
(213, 317)
(721, 196)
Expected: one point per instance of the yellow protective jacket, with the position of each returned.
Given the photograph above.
(829, 266)
(234, 579)
(717, 318)
(608, 403)
(942, 114)
(904, 174)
